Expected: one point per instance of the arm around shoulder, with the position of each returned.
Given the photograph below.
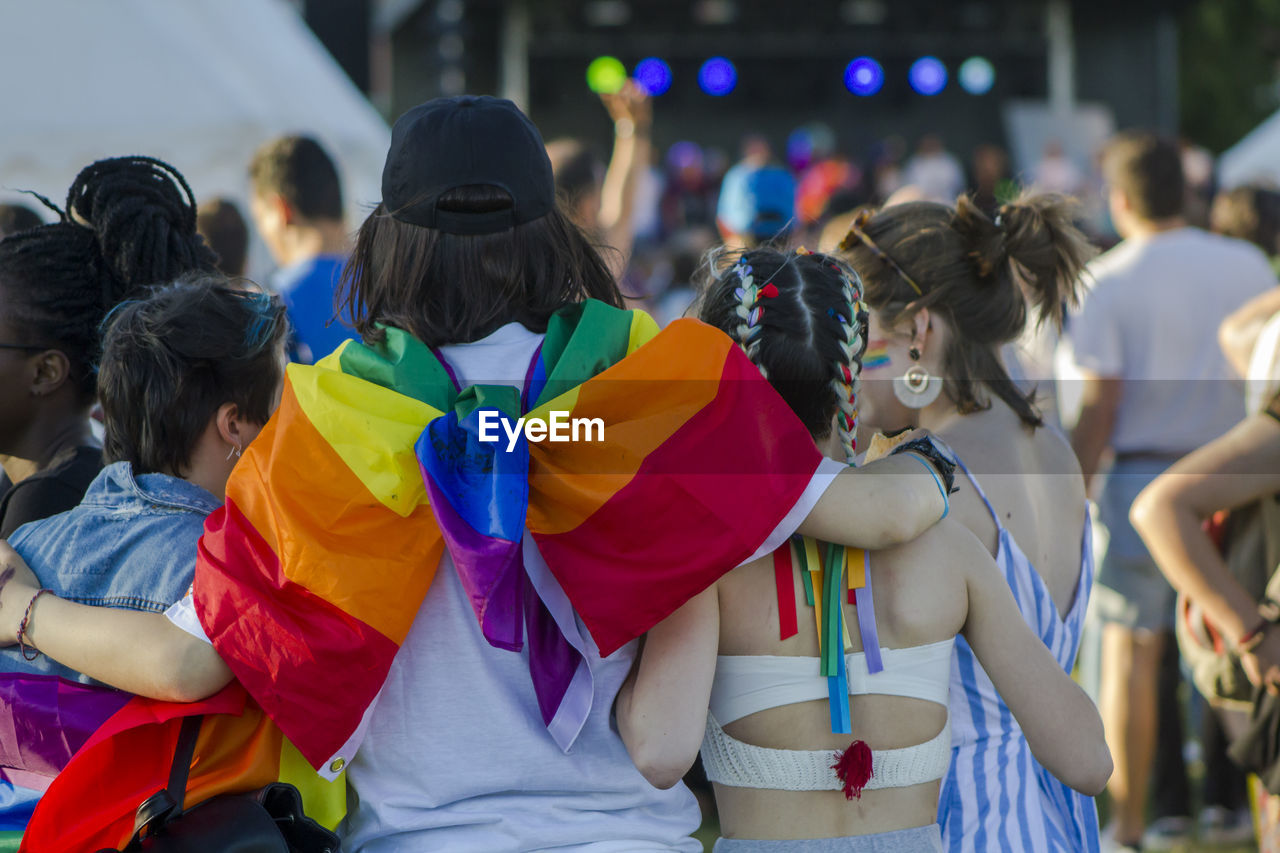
(881, 504)
(143, 653)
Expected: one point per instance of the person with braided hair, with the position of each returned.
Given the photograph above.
(777, 739)
(128, 222)
(947, 287)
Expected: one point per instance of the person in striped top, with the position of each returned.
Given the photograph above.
(947, 287)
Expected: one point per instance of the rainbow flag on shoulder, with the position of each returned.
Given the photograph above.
(339, 513)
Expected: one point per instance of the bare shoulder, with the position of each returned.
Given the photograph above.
(1055, 456)
(920, 586)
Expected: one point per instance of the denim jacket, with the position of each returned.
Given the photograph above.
(130, 543)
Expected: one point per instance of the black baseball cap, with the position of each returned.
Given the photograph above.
(469, 140)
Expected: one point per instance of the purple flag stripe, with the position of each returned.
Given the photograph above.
(44, 720)
(489, 570)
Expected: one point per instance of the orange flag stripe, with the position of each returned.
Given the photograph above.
(310, 532)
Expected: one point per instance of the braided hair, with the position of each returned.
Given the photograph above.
(126, 225)
(799, 318)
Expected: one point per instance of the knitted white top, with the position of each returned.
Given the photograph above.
(746, 684)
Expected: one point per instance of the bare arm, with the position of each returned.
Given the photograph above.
(143, 653)
(1092, 435)
(1237, 468)
(1061, 723)
(1239, 332)
(632, 114)
(662, 706)
(883, 503)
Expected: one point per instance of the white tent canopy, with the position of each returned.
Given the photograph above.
(1254, 159)
(199, 84)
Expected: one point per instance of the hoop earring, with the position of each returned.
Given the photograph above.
(235, 450)
(916, 388)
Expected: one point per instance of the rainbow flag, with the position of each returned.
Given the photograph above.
(336, 518)
(117, 749)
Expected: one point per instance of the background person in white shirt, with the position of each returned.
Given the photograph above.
(1155, 387)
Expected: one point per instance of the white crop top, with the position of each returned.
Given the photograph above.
(746, 684)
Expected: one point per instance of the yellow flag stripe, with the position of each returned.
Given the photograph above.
(371, 428)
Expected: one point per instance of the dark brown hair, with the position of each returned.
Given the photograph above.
(172, 359)
(299, 170)
(223, 227)
(448, 288)
(972, 272)
(1148, 170)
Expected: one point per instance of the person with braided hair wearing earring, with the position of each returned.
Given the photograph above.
(947, 287)
(129, 222)
(777, 740)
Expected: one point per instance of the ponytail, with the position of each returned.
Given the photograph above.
(979, 274)
(1033, 240)
(126, 225)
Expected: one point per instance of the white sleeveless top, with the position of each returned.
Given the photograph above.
(746, 684)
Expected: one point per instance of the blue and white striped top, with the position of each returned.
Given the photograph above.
(997, 797)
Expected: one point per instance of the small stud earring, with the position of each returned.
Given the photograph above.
(914, 352)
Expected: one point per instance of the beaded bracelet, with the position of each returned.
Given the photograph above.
(22, 628)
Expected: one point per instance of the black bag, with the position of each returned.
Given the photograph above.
(1258, 749)
(269, 820)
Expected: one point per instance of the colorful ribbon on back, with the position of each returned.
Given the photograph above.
(827, 571)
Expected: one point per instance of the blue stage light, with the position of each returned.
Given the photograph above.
(928, 76)
(864, 76)
(717, 76)
(977, 75)
(653, 75)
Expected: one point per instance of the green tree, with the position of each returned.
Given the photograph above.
(1229, 52)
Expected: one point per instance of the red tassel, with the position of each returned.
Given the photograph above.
(853, 768)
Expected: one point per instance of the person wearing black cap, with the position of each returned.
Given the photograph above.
(452, 734)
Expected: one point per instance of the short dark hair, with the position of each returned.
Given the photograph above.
(172, 359)
(222, 225)
(1148, 170)
(17, 217)
(299, 170)
(448, 288)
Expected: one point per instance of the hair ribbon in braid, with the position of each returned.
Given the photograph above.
(853, 344)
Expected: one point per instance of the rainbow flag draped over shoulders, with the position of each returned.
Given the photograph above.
(337, 517)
